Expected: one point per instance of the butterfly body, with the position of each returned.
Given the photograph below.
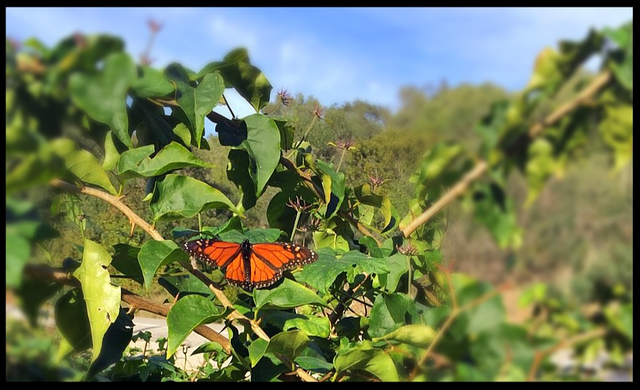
(250, 265)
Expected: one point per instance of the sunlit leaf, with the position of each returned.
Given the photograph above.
(238, 73)
(398, 265)
(101, 297)
(263, 146)
(83, 164)
(327, 268)
(152, 83)
(179, 196)
(617, 132)
(311, 325)
(289, 294)
(125, 260)
(72, 323)
(102, 96)
(540, 166)
(417, 335)
(155, 254)
(171, 157)
(387, 314)
(238, 173)
(375, 361)
(187, 314)
(333, 184)
(197, 102)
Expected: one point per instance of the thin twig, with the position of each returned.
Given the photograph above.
(226, 103)
(455, 191)
(482, 166)
(112, 200)
(539, 355)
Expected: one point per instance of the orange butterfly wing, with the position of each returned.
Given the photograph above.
(250, 266)
(269, 260)
(214, 252)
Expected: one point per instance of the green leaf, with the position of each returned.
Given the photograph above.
(152, 83)
(485, 316)
(496, 212)
(435, 170)
(257, 349)
(622, 59)
(263, 146)
(186, 315)
(621, 318)
(336, 235)
(178, 197)
(34, 169)
(17, 255)
(382, 203)
(102, 96)
(540, 166)
(101, 297)
(185, 285)
(233, 223)
(83, 164)
(279, 214)
(289, 294)
(311, 358)
(375, 361)
(533, 294)
(196, 103)
(238, 173)
(289, 343)
(182, 132)
(209, 347)
(547, 74)
(327, 268)
(32, 294)
(155, 254)
(171, 157)
(387, 314)
(111, 153)
(263, 235)
(238, 73)
(617, 132)
(151, 124)
(72, 323)
(133, 157)
(287, 131)
(311, 325)
(116, 340)
(125, 260)
(333, 184)
(417, 335)
(398, 266)
(433, 316)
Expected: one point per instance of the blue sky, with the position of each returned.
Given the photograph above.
(337, 54)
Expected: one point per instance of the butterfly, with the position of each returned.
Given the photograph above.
(250, 265)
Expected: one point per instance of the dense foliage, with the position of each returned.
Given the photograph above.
(121, 149)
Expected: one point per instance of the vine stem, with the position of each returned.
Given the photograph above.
(112, 200)
(344, 151)
(481, 166)
(539, 355)
(455, 312)
(295, 225)
(228, 106)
